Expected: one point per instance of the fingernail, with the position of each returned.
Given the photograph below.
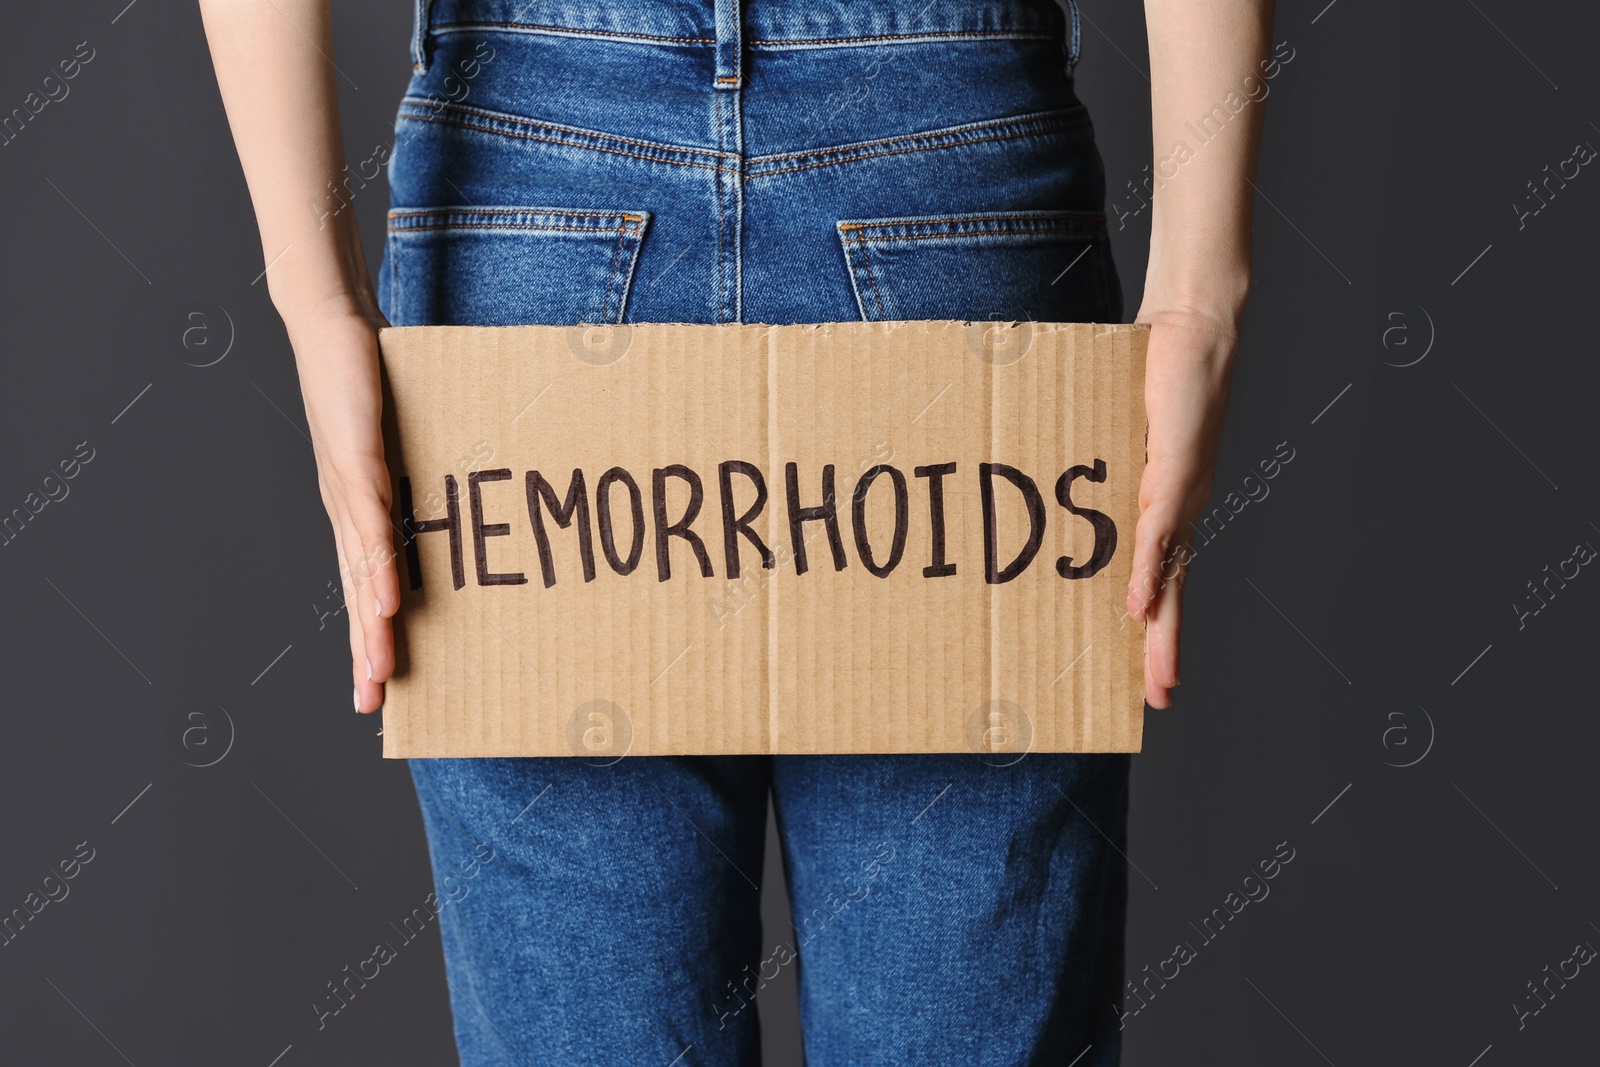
(357, 694)
(377, 608)
(369, 672)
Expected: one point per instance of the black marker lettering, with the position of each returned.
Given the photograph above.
(827, 511)
(935, 473)
(481, 532)
(665, 529)
(732, 527)
(858, 515)
(412, 526)
(1105, 530)
(994, 574)
(608, 543)
(541, 495)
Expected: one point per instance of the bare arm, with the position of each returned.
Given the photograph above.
(279, 92)
(1201, 51)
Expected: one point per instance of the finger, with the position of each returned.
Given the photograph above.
(378, 588)
(1155, 694)
(368, 690)
(368, 696)
(1161, 639)
(347, 581)
(1153, 559)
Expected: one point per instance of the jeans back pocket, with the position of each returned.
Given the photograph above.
(509, 266)
(1047, 266)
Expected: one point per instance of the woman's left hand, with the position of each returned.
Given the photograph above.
(1187, 369)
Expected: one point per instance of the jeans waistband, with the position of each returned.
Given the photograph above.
(779, 24)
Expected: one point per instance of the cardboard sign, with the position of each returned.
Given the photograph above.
(852, 537)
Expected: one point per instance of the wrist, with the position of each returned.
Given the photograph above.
(321, 276)
(1199, 266)
(301, 311)
(1211, 299)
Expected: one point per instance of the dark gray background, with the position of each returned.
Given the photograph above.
(1359, 617)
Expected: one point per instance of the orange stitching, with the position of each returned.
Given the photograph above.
(1039, 35)
(729, 80)
(500, 116)
(394, 284)
(897, 152)
(722, 295)
(871, 277)
(616, 269)
(1048, 118)
(1028, 35)
(605, 302)
(507, 226)
(1003, 233)
(570, 29)
(1087, 218)
(399, 214)
(569, 144)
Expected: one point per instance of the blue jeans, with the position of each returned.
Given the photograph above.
(771, 161)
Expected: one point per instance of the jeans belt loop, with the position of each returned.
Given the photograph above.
(730, 46)
(1074, 40)
(419, 37)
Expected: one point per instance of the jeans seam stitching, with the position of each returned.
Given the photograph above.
(583, 31)
(457, 27)
(570, 144)
(1052, 121)
(601, 230)
(616, 268)
(1010, 35)
(898, 152)
(414, 213)
(1043, 223)
(575, 133)
(866, 264)
(488, 115)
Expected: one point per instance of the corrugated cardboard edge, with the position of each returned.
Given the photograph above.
(1131, 341)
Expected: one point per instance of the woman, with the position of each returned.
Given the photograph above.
(565, 161)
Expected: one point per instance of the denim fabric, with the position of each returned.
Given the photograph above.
(634, 169)
(561, 162)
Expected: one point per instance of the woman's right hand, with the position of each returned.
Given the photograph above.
(336, 350)
(277, 83)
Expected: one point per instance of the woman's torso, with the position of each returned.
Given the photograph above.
(684, 160)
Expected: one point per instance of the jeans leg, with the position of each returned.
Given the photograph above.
(949, 911)
(606, 908)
